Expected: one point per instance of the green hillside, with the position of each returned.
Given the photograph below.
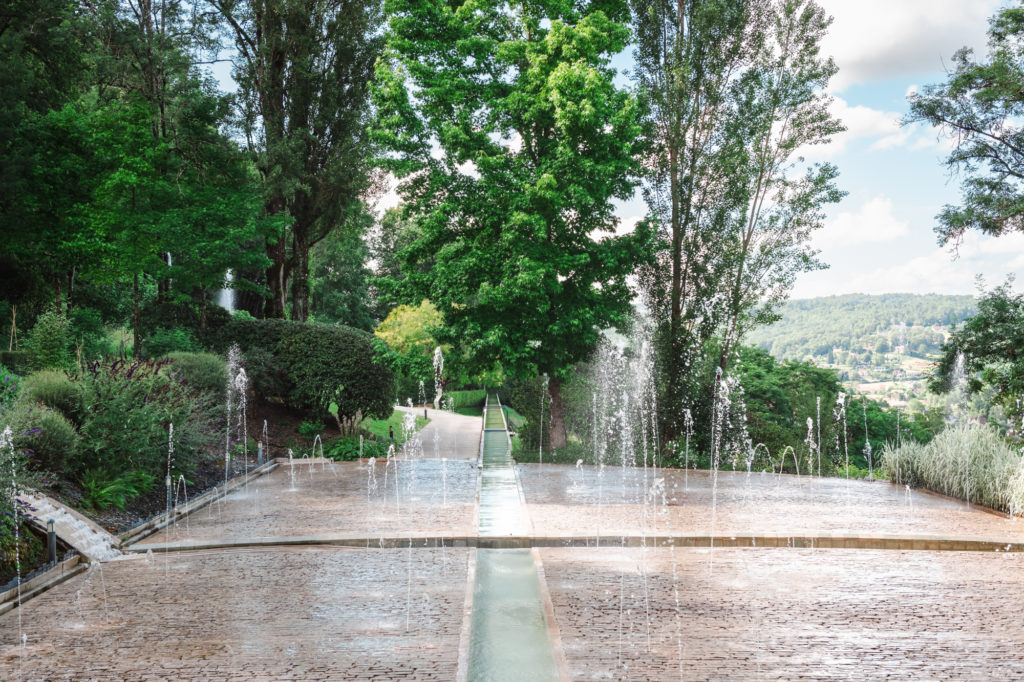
(820, 328)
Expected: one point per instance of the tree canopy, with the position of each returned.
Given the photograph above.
(512, 140)
(980, 108)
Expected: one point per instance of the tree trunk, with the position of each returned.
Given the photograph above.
(300, 274)
(202, 314)
(56, 286)
(136, 341)
(276, 280)
(556, 428)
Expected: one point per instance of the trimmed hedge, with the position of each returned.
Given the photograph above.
(311, 365)
(204, 372)
(470, 398)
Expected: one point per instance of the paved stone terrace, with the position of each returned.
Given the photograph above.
(583, 501)
(345, 499)
(269, 614)
(787, 614)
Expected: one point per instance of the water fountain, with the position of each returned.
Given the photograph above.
(226, 296)
(867, 444)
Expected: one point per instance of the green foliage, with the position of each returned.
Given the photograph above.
(310, 429)
(990, 342)
(127, 407)
(328, 365)
(379, 428)
(469, 398)
(88, 332)
(979, 110)
(10, 386)
(515, 267)
(338, 278)
(49, 343)
(54, 389)
(970, 463)
(203, 372)
(164, 341)
(853, 322)
(45, 436)
(346, 449)
(102, 490)
(17, 360)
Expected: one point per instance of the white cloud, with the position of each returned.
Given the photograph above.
(878, 39)
(938, 271)
(872, 223)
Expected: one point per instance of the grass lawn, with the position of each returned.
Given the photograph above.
(379, 427)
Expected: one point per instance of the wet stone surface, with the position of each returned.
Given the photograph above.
(428, 497)
(787, 614)
(268, 614)
(586, 501)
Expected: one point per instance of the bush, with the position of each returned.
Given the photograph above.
(164, 341)
(311, 365)
(49, 343)
(45, 436)
(203, 372)
(10, 386)
(17, 361)
(101, 490)
(334, 364)
(54, 389)
(465, 398)
(346, 449)
(970, 463)
(87, 329)
(127, 407)
(158, 315)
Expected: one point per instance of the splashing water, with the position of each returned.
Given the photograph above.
(438, 377)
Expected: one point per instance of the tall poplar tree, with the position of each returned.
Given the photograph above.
(512, 140)
(736, 91)
(304, 68)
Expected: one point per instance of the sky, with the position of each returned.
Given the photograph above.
(880, 238)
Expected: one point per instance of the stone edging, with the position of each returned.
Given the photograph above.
(41, 583)
(156, 523)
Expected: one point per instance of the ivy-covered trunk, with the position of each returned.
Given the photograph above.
(300, 273)
(557, 426)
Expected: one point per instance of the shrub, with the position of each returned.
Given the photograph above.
(167, 315)
(49, 343)
(204, 372)
(101, 490)
(10, 386)
(17, 361)
(43, 435)
(311, 365)
(334, 364)
(310, 429)
(466, 398)
(265, 377)
(346, 449)
(87, 329)
(971, 463)
(127, 406)
(54, 389)
(164, 341)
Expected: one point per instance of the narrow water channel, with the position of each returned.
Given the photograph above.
(509, 637)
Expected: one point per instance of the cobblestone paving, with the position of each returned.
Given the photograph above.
(586, 502)
(309, 614)
(787, 614)
(431, 497)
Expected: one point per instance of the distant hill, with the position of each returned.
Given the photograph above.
(857, 326)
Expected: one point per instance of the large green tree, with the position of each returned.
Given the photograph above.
(304, 68)
(736, 91)
(980, 108)
(512, 140)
